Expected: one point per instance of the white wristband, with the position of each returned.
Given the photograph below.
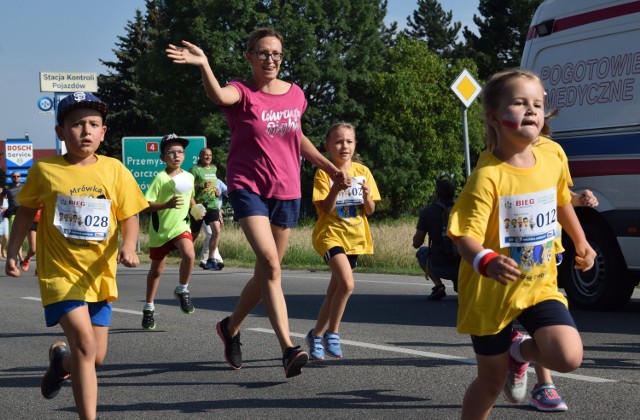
(478, 257)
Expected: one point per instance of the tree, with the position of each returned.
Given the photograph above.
(432, 24)
(120, 87)
(414, 133)
(502, 34)
(332, 48)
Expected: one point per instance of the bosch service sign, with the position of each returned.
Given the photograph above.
(18, 154)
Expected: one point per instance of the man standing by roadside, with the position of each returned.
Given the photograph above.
(10, 192)
(207, 193)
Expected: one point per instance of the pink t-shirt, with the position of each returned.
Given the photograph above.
(264, 154)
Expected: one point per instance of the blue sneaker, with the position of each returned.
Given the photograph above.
(546, 398)
(316, 351)
(331, 343)
(211, 264)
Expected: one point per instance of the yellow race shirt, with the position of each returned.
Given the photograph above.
(514, 212)
(347, 224)
(77, 248)
(551, 146)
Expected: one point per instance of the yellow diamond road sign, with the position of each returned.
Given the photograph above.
(466, 88)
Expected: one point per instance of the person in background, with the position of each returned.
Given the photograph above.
(4, 226)
(169, 195)
(207, 194)
(222, 187)
(436, 261)
(10, 192)
(544, 395)
(31, 241)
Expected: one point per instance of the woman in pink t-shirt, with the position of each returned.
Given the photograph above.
(263, 178)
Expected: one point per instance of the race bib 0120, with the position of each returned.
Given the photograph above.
(528, 219)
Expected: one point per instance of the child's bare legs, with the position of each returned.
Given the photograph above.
(31, 242)
(214, 238)
(188, 255)
(338, 293)
(269, 243)
(543, 375)
(153, 278)
(557, 347)
(487, 387)
(88, 348)
(3, 245)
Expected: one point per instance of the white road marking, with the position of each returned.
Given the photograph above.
(395, 349)
(432, 355)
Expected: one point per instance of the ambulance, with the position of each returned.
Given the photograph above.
(587, 53)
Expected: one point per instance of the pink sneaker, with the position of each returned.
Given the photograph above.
(515, 387)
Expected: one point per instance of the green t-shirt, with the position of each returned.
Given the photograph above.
(205, 182)
(167, 224)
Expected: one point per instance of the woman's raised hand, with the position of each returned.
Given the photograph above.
(187, 54)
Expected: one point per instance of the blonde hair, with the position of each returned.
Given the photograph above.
(260, 33)
(343, 124)
(492, 94)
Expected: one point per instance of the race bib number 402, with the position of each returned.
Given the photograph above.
(528, 219)
(84, 218)
(351, 196)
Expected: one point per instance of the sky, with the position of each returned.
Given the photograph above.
(74, 35)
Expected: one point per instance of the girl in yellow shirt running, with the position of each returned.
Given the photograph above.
(518, 281)
(340, 234)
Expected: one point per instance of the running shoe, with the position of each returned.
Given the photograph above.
(203, 265)
(54, 377)
(25, 264)
(220, 265)
(148, 323)
(185, 301)
(316, 351)
(331, 343)
(232, 351)
(515, 387)
(437, 292)
(293, 361)
(546, 398)
(211, 264)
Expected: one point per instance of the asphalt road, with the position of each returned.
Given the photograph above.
(403, 356)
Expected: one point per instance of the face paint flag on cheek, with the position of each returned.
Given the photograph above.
(512, 121)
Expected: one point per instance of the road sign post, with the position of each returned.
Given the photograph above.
(467, 89)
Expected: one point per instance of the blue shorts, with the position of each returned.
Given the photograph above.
(283, 213)
(544, 314)
(353, 259)
(100, 312)
(449, 272)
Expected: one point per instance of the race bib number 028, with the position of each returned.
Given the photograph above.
(84, 218)
(528, 219)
